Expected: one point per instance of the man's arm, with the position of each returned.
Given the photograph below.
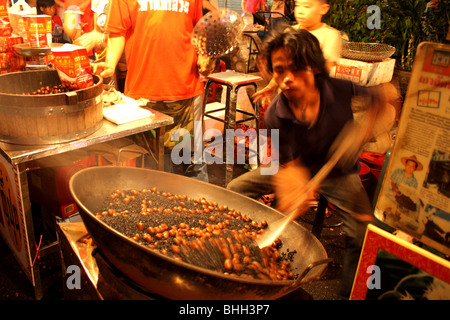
(114, 50)
(91, 39)
(243, 5)
(289, 184)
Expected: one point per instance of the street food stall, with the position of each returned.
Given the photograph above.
(58, 125)
(65, 148)
(21, 164)
(54, 122)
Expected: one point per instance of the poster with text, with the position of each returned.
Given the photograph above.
(415, 192)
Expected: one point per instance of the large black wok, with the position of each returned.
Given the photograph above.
(174, 279)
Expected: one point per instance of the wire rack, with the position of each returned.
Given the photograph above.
(366, 51)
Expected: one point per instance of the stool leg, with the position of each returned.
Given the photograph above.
(254, 116)
(205, 98)
(256, 108)
(230, 123)
(320, 216)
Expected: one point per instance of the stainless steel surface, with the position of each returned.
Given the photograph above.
(175, 279)
(24, 49)
(108, 131)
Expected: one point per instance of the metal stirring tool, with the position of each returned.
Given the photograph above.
(217, 32)
(345, 143)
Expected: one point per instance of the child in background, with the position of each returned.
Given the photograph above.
(48, 7)
(308, 14)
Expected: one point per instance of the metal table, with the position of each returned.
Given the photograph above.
(16, 218)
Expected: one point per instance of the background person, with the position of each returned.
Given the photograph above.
(253, 6)
(95, 41)
(48, 7)
(308, 15)
(276, 18)
(78, 18)
(209, 5)
(163, 66)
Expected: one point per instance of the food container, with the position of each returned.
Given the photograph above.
(39, 30)
(50, 118)
(72, 63)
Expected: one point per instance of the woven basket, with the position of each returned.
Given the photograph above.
(366, 51)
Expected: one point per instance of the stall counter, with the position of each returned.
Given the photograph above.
(16, 218)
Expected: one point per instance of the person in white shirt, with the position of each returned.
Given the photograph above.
(308, 14)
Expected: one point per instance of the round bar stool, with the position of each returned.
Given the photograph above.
(233, 81)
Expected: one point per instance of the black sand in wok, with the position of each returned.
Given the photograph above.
(196, 231)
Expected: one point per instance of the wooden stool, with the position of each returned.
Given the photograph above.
(233, 81)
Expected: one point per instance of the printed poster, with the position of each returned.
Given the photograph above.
(415, 192)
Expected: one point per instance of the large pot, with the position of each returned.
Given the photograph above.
(47, 119)
(174, 279)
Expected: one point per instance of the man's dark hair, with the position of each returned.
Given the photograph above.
(304, 47)
(44, 4)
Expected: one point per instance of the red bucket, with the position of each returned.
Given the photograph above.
(374, 160)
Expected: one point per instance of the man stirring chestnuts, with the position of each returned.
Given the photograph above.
(309, 113)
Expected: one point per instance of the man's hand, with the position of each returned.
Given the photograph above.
(269, 90)
(205, 64)
(89, 40)
(103, 69)
(264, 93)
(290, 189)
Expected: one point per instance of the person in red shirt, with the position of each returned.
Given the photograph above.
(253, 6)
(48, 7)
(162, 65)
